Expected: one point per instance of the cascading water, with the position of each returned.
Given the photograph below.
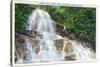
(82, 53)
(44, 27)
(41, 22)
(29, 54)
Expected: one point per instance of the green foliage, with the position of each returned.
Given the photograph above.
(79, 21)
(21, 15)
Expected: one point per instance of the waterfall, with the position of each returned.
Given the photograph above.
(41, 23)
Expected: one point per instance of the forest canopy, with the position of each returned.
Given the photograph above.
(73, 22)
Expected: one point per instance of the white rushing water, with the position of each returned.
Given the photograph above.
(41, 22)
(82, 53)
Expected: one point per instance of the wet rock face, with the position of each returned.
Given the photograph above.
(60, 44)
(71, 57)
(19, 47)
(63, 44)
(66, 46)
